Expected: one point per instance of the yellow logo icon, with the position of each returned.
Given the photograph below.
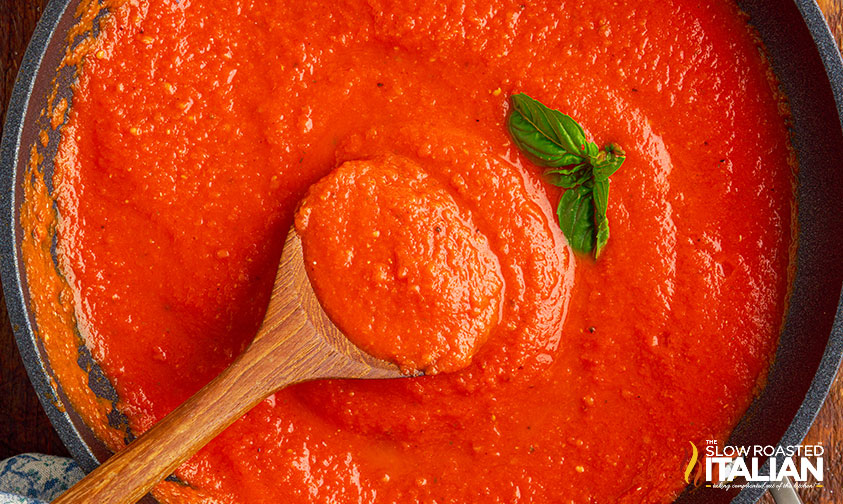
(692, 463)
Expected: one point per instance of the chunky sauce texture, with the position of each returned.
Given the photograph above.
(196, 128)
(399, 264)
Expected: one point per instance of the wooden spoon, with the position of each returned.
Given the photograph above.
(296, 343)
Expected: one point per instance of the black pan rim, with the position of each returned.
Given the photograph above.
(831, 358)
(11, 265)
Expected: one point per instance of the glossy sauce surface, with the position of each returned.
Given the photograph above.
(399, 265)
(196, 128)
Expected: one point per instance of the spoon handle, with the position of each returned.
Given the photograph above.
(296, 342)
(132, 472)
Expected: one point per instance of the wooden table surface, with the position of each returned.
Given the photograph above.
(24, 426)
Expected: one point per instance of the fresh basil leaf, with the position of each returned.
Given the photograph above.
(591, 150)
(576, 218)
(602, 237)
(601, 196)
(609, 162)
(569, 180)
(532, 142)
(569, 159)
(568, 171)
(615, 149)
(546, 134)
(605, 169)
(567, 129)
(601, 205)
(554, 140)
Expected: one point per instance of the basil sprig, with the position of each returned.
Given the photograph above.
(554, 140)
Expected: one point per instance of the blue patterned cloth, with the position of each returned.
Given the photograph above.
(32, 478)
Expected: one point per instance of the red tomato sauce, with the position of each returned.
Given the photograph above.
(197, 127)
(399, 265)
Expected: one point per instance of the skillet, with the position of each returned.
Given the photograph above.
(804, 56)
